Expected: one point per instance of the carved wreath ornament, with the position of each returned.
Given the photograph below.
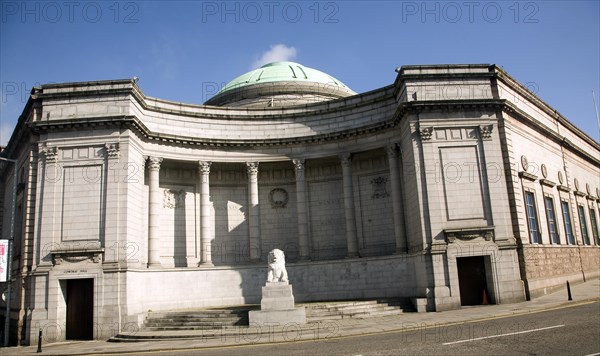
(279, 198)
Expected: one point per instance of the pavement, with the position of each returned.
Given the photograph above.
(410, 322)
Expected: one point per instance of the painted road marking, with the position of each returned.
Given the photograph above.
(501, 335)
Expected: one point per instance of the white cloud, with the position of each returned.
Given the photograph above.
(278, 52)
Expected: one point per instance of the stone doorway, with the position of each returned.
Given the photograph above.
(80, 309)
(472, 280)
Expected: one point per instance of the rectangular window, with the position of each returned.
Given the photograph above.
(532, 218)
(583, 225)
(551, 217)
(594, 226)
(567, 220)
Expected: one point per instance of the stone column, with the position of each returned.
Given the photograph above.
(253, 212)
(205, 228)
(349, 205)
(111, 211)
(303, 243)
(397, 207)
(154, 209)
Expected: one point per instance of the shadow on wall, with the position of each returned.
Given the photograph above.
(230, 245)
(179, 234)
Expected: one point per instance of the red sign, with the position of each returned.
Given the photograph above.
(3, 260)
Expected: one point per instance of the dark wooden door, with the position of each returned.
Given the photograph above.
(471, 279)
(80, 309)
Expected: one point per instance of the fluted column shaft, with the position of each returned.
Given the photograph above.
(302, 214)
(154, 212)
(253, 211)
(349, 205)
(205, 216)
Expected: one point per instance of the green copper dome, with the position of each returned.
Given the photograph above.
(283, 72)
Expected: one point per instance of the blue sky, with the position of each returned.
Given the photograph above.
(184, 51)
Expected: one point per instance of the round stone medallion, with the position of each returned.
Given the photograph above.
(544, 171)
(524, 162)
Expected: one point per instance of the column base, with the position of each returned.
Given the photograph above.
(205, 264)
(353, 255)
(154, 265)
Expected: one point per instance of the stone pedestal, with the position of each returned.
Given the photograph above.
(277, 307)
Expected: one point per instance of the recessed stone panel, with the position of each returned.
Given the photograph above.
(461, 176)
(82, 202)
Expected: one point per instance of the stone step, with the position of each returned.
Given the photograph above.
(377, 313)
(356, 308)
(182, 328)
(199, 314)
(205, 319)
(326, 305)
(403, 302)
(320, 318)
(345, 310)
(162, 323)
(222, 318)
(189, 319)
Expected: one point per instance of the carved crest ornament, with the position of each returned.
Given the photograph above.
(173, 198)
(379, 185)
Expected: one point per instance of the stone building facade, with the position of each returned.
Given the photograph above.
(452, 181)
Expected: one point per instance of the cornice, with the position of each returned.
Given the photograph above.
(134, 123)
(143, 131)
(403, 108)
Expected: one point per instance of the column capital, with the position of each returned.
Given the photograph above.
(485, 131)
(346, 158)
(298, 163)
(392, 150)
(154, 162)
(252, 167)
(204, 167)
(51, 153)
(112, 150)
(426, 132)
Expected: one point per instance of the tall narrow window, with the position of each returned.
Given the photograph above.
(532, 218)
(594, 226)
(583, 225)
(551, 217)
(568, 226)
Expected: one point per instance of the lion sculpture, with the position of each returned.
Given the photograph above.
(277, 272)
